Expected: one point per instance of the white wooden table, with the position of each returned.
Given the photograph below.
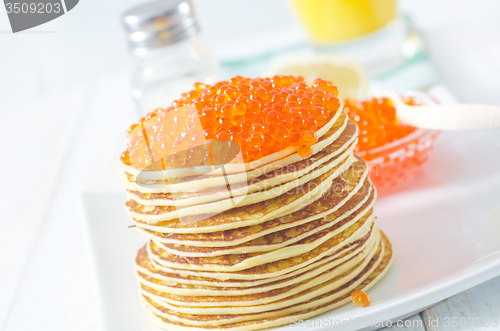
(57, 147)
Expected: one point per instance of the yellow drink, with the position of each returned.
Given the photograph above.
(330, 21)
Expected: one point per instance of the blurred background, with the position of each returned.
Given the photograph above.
(462, 39)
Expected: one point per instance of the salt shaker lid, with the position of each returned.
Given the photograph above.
(159, 23)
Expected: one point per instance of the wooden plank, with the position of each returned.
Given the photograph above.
(475, 309)
(414, 323)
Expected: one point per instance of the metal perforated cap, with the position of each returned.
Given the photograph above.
(159, 23)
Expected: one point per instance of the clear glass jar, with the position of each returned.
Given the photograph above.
(162, 74)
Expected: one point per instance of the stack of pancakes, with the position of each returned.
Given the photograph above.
(289, 239)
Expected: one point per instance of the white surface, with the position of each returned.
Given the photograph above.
(444, 232)
(88, 43)
(62, 149)
(113, 247)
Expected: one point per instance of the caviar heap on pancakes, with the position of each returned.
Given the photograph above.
(262, 116)
(377, 122)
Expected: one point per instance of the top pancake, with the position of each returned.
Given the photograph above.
(279, 181)
(267, 176)
(326, 135)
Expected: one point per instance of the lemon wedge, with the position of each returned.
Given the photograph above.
(349, 76)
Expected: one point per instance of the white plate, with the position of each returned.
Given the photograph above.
(445, 232)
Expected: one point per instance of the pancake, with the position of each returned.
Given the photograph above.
(239, 262)
(259, 189)
(335, 222)
(334, 127)
(256, 213)
(144, 265)
(151, 277)
(267, 176)
(330, 202)
(273, 199)
(371, 274)
(251, 269)
(314, 187)
(264, 301)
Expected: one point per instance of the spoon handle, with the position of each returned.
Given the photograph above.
(450, 117)
(457, 117)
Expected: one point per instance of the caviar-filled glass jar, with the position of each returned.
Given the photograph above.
(164, 38)
(394, 152)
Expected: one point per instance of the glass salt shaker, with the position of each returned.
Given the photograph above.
(164, 38)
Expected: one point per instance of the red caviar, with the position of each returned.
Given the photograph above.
(261, 115)
(377, 122)
(394, 151)
(361, 299)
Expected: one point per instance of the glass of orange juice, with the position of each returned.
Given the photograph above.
(332, 21)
